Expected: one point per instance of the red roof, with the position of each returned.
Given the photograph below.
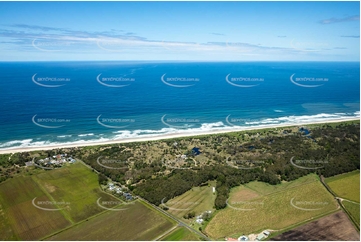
(232, 239)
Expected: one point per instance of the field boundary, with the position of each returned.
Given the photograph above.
(80, 222)
(166, 233)
(66, 216)
(335, 177)
(283, 230)
(340, 202)
(271, 193)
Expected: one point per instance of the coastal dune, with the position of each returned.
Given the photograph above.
(164, 136)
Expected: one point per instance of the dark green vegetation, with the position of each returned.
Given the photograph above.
(10, 165)
(257, 206)
(336, 147)
(73, 196)
(149, 168)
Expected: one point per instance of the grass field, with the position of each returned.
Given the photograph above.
(354, 210)
(346, 185)
(198, 199)
(265, 188)
(138, 222)
(76, 185)
(72, 190)
(181, 234)
(20, 219)
(257, 206)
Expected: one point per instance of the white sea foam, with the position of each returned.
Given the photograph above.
(204, 128)
(19, 142)
(64, 136)
(83, 135)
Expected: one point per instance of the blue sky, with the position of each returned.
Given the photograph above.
(193, 31)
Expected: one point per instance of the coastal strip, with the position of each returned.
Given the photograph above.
(167, 136)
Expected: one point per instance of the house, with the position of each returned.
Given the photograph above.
(199, 220)
(304, 131)
(260, 237)
(29, 163)
(243, 238)
(127, 196)
(184, 156)
(213, 189)
(195, 151)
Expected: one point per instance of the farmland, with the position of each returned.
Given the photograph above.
(137, 222)
(76, 185)
(333, 227)
(71, 193)
(346, 185)
(181, 234)
(198, 200)
(20, 219)
(262, 206)
(354, 210)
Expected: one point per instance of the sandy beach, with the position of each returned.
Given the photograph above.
(164, 136)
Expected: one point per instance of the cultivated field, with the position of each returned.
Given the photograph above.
(181, 234)
(198, 199)
(20, 218)
(259, 206)
(353, 209)
(346, 185)
(333, 227)
(71, 194)
(76, 185)
(138, 222)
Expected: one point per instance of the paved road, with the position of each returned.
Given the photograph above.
(180, 222)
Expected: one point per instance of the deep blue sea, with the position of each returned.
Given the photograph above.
(46, 103)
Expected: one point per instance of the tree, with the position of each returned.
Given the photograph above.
(102, 179)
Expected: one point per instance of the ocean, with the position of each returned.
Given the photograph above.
(48, 103)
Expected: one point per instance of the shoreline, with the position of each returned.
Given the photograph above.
(167, 136)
